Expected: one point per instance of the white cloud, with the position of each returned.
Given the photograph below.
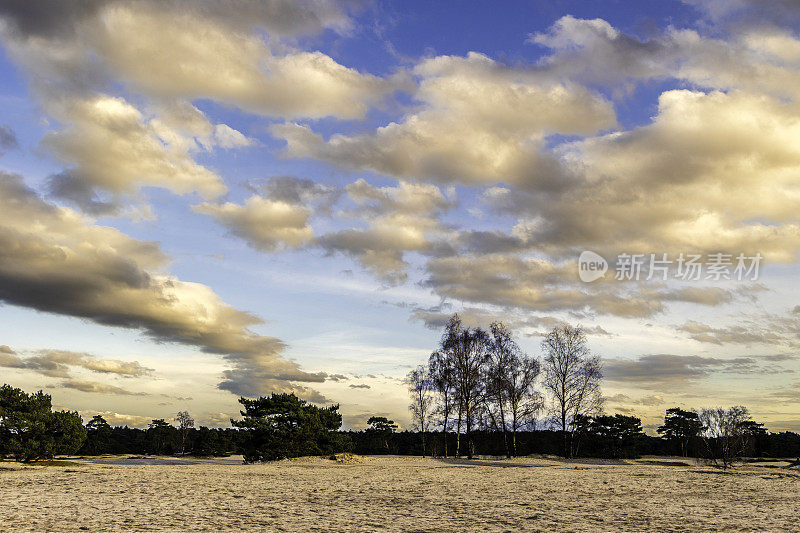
(264, 223)
(480, 123)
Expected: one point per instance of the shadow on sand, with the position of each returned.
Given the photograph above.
(499, 463)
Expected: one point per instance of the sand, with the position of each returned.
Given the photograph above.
(396, 493)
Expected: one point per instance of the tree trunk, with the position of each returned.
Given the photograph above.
(469, 437)
(514, 440)
(458, 434)
(444, 433)
(505, 432)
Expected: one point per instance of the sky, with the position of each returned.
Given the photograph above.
(201, 201)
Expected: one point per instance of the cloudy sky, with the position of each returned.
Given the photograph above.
(202, 200)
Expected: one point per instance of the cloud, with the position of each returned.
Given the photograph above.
(263, 223)
(200, 50)
(536, 284)
(123, 368)
(399, 219)
(617, 398)
(479, 122)
(753, 56)
(436, 318)
(57, 363)
(699, 185)
(666, 371)
(9, 358)
(180, 53)
(752, 11)
(110, 146)
(278, 215)
(731, 334)
(166, 54)
(790, 393)
(63, 264)
(8, 139)
(769, 329)
(296, 191)
(651, 401)
(596, 52)
(95, 387)
(118, 419)
(40, 18)
(360, 386)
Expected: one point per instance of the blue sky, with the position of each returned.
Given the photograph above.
(294, 196)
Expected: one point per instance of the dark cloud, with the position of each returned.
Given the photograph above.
(64, 265)
(758, 12)
(360, 386)
(42, 18)
(662, 371)
(65, 186)
(594, 52)
(298, 191)
(8, 139)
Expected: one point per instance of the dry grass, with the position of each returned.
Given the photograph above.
(397, 493)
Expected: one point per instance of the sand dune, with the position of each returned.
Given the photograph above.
(395, 493)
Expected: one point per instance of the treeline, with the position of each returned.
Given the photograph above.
(549, 442)
(478, 394)
(283, 425)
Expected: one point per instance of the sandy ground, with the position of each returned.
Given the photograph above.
(395, 493)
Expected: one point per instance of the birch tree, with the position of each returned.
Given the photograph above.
(419, 387)
(572, 376)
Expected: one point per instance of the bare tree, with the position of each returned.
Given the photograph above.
(185, 425)
(726, 433)
(440, 371)
(524, 402)
(510, 400)
(572, 377)
(419, 387)
(465, 349)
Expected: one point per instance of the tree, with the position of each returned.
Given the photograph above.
(500, 355)
(681, 427)
(98, 436)
(185, 425)
(524, 401)
(31, 431)
(381, 428)
(727, 433)
(510, 379)
(615, 436)
(754, 435)
(419, 387)
(66, 431)
(440, 371)
(158, 436)
(572, 377)
(466, 350)
(283, 425)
